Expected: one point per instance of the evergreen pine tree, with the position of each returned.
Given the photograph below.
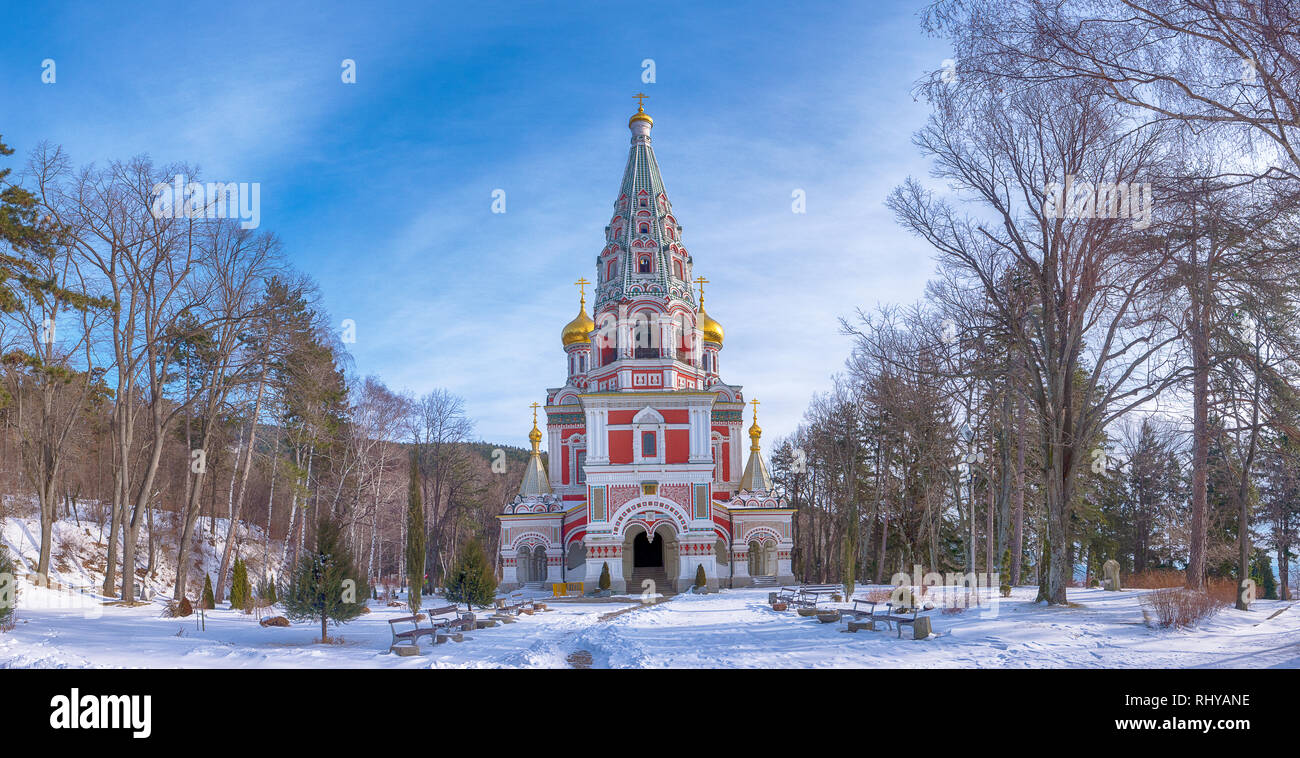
(322, 585)
(471, 581)
(266, 591)
(207, 603)
(603, 584)
(414, 535)
(241, 592)
(1261, 572)
(700, 579)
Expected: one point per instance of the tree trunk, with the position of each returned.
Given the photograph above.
(219, 589)
(1018, 505)
(1200, 435)
(1243, 500)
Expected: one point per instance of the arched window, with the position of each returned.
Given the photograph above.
(644, 228)
(643, 265)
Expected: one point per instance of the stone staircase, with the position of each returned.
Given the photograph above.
(534, 586)
(657, 575)
(764, 581)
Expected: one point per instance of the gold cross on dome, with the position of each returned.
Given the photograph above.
(640, 99)
(534, 406)
(754, 403)
(701, 281)
(582, 287)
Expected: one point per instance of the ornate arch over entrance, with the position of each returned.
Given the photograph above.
(649, 512)
(650, 554)
(762, 556)
(530, 564)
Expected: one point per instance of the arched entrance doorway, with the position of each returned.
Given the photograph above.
(647, 554)
(762, 558)
(650, 557)
(530, 564)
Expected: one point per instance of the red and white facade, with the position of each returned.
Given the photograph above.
(644, 438)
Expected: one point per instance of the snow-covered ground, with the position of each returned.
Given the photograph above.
(729, 629)
(75, 627)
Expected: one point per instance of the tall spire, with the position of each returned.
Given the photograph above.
(644, 235)
(535, 481)
(755, 478)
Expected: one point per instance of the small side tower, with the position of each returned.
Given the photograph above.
(530, 526)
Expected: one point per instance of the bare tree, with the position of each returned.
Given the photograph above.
(1222, 68)
(1095, 341)
(48, 368)
(144, 261)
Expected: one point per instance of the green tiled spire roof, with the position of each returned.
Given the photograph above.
(643, 181)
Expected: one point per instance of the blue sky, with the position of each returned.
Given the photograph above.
(382, 190)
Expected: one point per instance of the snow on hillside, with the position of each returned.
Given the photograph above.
(79, 552)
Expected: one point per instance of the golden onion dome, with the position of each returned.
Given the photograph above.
(640, 115)
(578, 331)
(711, 330)
(535, 436)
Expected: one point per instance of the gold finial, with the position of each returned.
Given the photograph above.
(535, 436)
(712, 330)
(755, 431)
(640, 114)
(582, 289)
(701, 281)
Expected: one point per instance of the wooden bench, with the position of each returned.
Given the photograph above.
(447, 618)
(810, 594)
(856, 612)
(512, 604)
(904, 617)
(795, 598)
(411, 635)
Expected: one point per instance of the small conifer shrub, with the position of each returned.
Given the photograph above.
(207, 602)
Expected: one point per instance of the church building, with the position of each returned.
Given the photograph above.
(649, 475)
